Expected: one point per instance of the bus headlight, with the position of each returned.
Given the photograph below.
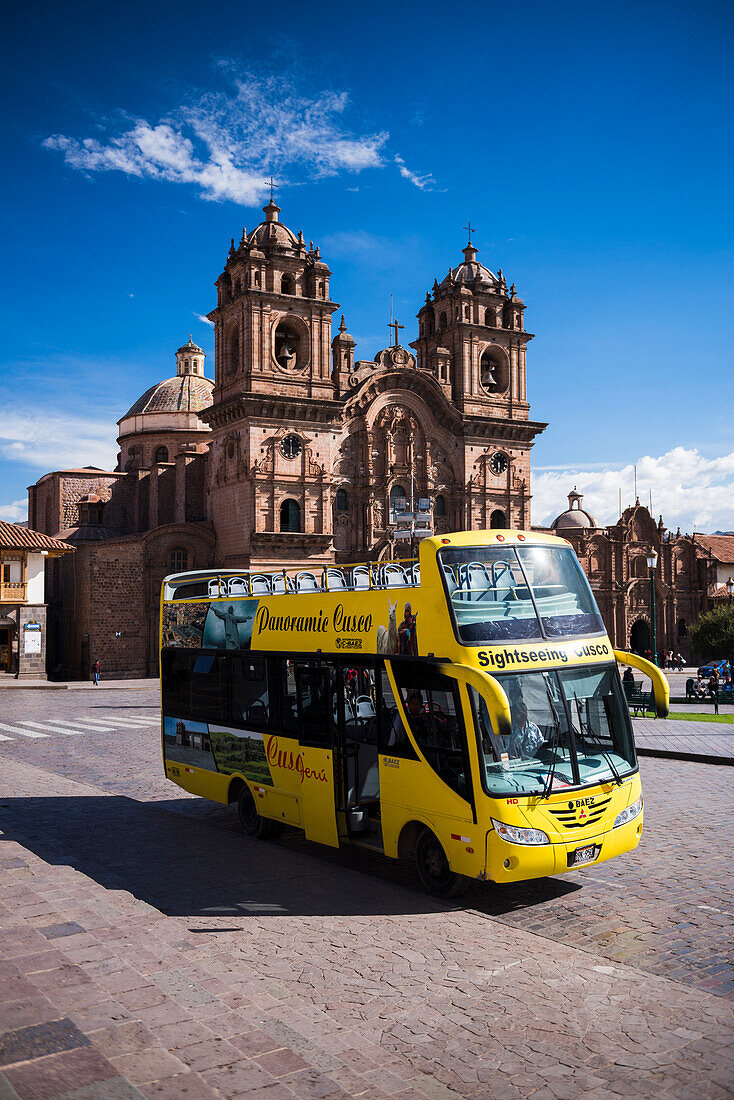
(629, 814)
(516, 835)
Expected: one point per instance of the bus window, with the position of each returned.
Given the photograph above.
(208, 688)
(488, 594)
(360, 712)
(249, 684)
(394, 739)
(600, 720)
(314, 703)
(195, 685)
(562, 593)
(288, 699)
(433, 711)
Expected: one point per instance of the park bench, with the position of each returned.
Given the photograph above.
(638, 700)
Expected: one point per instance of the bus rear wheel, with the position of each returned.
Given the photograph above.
(250, 820)
(433, 868)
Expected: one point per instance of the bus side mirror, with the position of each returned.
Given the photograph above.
(660, 685)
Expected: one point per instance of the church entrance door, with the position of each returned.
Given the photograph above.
(640, 638)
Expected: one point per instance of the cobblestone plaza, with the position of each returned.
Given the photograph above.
(149, 949)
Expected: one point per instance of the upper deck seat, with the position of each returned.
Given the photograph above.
(415, 574)
(237, 586)
(335, 580)
(213, 588)
(393, 576)
(450, 579)
(361, 576)
(280, 585)
(306, 582)
(260, 585)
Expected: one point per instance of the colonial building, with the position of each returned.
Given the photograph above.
(687, 576)
(297, 452)
(23, 629)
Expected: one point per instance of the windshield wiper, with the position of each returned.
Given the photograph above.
(588, 734)
(548, 785)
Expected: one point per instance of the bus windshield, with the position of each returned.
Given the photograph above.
(499, 593)
(569, 728)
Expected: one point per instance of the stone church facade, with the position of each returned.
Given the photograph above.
(614, 558)
(296, 453)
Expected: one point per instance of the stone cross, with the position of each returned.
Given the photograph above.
(394, 325)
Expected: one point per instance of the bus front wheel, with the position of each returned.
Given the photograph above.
(250, 820)
(433, 868)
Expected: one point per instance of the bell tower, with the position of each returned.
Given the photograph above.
(272, 323)
(472, 338)
(472, 335)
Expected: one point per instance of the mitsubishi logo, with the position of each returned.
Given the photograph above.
(582, 814)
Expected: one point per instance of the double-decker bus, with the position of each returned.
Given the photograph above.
(464, 709)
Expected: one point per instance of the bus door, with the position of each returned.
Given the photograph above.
(315, 690)
(357, 715)
(427, 767)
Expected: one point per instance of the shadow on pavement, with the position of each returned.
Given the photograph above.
(187, 857)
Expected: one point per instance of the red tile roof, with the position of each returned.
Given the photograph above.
(721, 546)
(13, 537)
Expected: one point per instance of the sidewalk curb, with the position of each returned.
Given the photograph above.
(82, 685)
(692, 757)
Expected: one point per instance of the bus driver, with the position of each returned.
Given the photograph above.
(525, 738)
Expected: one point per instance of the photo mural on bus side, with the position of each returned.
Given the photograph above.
(217, 748)
(241, 751)
(216, 624)
(188, 742)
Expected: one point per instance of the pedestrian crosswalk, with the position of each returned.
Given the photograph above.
(27, 728)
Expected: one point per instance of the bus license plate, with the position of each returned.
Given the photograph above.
(583, 855)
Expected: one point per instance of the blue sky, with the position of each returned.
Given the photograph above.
(590, 145)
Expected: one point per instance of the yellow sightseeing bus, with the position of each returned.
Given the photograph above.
(465, 709)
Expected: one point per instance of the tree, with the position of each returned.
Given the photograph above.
(712, 637)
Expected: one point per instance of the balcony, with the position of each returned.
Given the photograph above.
(12, 592)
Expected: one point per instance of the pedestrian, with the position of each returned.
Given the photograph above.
(96, 670)
(714, 690)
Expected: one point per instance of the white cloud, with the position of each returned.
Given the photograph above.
(56, 442)
(424, 183)
(15, 512)
(204, 320)
(228, 143)
(688, 490)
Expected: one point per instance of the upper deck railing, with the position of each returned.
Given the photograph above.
(220, 583)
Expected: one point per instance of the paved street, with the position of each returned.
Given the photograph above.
(147, 948)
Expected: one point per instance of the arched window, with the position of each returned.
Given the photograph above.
(290, 516)
(498, 520)
(398, 500)
(178, 561)
(234, 350)
(342, 502)
(490, 317)
(161, 455)
(441, 321)
(430, 325)
(287, 285)
(489, 371)
(682, 629)
(440, 508)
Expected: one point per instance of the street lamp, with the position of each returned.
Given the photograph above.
(652, 561)
(730, 593)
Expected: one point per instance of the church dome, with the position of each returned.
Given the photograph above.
(187, 393)
(470, 271)
(574, 518)
(272, 232)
